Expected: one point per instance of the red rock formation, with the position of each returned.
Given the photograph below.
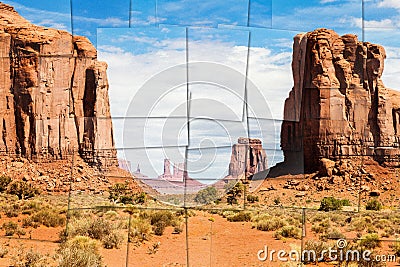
(247, 156)
(338, 106)
(53, 93)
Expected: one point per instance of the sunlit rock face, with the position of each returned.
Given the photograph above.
(53, 93)
(338, 106)
(247, 156)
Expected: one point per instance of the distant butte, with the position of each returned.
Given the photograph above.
(339, 106)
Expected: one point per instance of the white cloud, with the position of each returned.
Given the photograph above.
(389, 4)
(327, 1)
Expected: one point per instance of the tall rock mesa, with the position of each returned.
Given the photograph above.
(53, 93)
(248, 157)
(339, 106)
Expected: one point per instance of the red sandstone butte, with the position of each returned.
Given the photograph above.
(53, 93)
(339, 106)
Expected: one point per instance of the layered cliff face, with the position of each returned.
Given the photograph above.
(53, 93)
(247, 156)
(339, 106)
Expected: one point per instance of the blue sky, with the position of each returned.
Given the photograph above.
(245, 37)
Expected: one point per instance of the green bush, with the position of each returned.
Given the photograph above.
(234, 192)
(331, 203)
(370, 241)
(80, 251)
(396, 247)
(241, 216)
(333, 234)
(22, 189)
(321, 227)
(4, 182)
(49, 218)
(12, 210)
(374, 204)
(10, 228)
(270, 224)
(252, 198)
(318, 247)
(99, 228)
(122, 193)
(112, 240)
(140, 230)
(206, 195)
(288, 231)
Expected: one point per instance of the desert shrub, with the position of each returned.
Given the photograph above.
(321, 227)
(112, 240)
(382, 223)
(234, 192)
(4, 182)
(241, 216)
(332, 234)
(288, 231)
(345, 202)
(31, 206)
(389, 231)
(28, 222)
(396, 247)
(162, 218)
(252, 198)
(370, 241)
(270, 224)
(22, 189)
(206, 195)
(331, 203)
(121, 192)
(80, 251)
(318, 247)
(10, 228)
(320, 217)
(140, 230)
(373, 204)
(361, 223)
(159, 220)
(177, 229)
(261, 216)
(111, 214)
(49, 218)
(99, 228)
(12, 210)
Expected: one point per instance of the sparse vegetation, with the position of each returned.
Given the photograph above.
(22, 189)
(140, 230)
(4, 182)
(396, 247)
(80, 251)
(370, 241)
(331, 203)
(271, 224)
(48, 217)
(373, 204)
(234, 192)
(252, 198)
(288, 231)
(207, 195)
(98, 228)
(122, 193)
(241, 216)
